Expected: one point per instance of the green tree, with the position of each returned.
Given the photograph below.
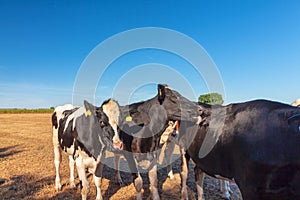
(211, 98)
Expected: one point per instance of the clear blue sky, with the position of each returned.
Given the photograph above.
(255, 45)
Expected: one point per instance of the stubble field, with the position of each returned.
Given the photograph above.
(27, 170)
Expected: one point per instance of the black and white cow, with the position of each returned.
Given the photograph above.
(56, 116)
(255, 143)
(140, 127)
(71, 133)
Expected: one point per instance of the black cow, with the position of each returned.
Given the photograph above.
(169, 139)
(256, 144)
(140, 127)
(72, 129)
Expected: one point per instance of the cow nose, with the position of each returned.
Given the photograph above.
(118, 145)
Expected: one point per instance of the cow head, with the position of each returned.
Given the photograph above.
(112, 110)
(103, 121)
(177, 106)
(93, 128)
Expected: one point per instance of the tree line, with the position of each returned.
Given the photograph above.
(211, 98)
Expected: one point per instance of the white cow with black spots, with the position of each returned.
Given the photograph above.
(71, 126)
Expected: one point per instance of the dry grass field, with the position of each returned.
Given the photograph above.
(27, 170)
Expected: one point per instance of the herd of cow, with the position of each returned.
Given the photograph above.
(256, 144)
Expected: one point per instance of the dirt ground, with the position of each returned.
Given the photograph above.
(27, 170)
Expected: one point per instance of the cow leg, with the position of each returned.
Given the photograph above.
(138, 184)
(98, 179)
(153, 182)
(228, 187)
(83, 178)
(249, 185)
(57, 160)
(225, 189)
(136, 177)
(184, 174)
(168, 153)
(199, 177)
(71, 165)
(117, 176)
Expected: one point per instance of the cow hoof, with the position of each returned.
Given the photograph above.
(226, 196)
(72, 185)
(58, 187)
(184, 195)
(139, 196)
(118, 181)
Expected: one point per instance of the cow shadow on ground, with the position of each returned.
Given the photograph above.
(9, 151)
(108, 173)
(31, 187)
(67, 193)
(162, 176)
(113, 186)
(126, 176)
(22, 186)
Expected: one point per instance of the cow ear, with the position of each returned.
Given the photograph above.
(90, 108)
(161, 93)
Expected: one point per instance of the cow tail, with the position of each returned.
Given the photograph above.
(75, 148)
(54, 120)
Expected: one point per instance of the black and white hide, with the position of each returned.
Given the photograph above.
(84, 133)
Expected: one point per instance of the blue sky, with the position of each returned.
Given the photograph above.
(254, 44)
